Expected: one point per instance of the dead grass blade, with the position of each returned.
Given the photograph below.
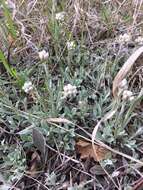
(58, 120)
(106, 117)
(125, 69)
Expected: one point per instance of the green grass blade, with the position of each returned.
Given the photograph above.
(10, 23)
(5, 63)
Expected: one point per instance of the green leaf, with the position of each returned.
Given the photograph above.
(10, 23)
(12, 71)
(5, 63)
(39, 141)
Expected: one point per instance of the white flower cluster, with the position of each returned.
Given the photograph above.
(123, 84)
(70, 45)
(27, 87)
(43, 55)
(139, 40)
(124, 38)
(123, 90)
(60, 16)
(127, 95)
(69, 91)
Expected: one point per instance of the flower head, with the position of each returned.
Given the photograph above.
(60, 16)
(70, 45)
(124, 38)
(43, 55)
(139, 40)
(123, 91)
(69, 91)
(27, 87)
(123, 84)
(127, 95)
